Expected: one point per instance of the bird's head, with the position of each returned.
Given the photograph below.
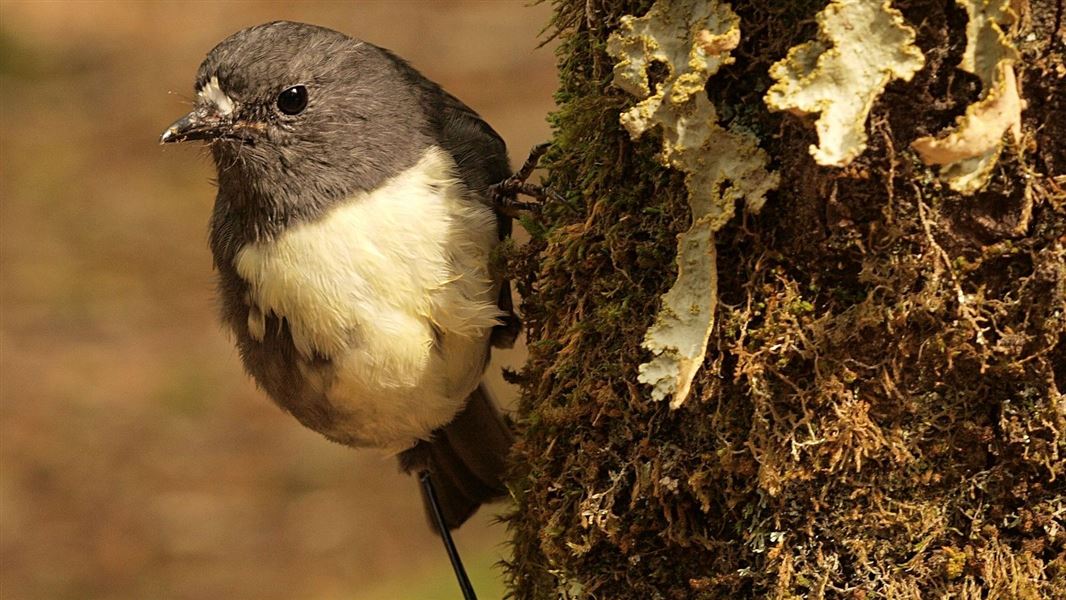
(289, 107)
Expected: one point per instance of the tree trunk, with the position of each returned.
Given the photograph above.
(878, 413)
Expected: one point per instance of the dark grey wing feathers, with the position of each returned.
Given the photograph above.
(477, 149)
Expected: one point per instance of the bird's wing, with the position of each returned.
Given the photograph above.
(477, 149)
(479, 152)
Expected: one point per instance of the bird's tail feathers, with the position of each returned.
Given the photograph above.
(466, 459)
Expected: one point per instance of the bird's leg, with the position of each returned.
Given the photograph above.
(449, 545)
(505, 193)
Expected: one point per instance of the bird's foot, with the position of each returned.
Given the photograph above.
(505, 193)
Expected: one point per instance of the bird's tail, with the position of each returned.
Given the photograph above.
(466, 459)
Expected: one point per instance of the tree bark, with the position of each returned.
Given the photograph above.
(879, 413)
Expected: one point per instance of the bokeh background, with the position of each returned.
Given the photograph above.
(136, 460)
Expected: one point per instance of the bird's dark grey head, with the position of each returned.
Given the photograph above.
(299, 116)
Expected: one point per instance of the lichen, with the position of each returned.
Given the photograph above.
(693, 39)
(968, 152)
(862, 46)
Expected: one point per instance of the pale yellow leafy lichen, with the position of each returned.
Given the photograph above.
(968, 151)
(862, 46)
(693, 39)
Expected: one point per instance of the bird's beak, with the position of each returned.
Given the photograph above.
(200, 124)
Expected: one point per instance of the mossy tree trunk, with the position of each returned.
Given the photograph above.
(879, 413)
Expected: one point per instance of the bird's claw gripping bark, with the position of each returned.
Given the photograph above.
(505, 193)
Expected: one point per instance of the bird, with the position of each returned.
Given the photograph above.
(353, 236)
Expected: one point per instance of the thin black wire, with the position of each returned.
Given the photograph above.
(449, 545)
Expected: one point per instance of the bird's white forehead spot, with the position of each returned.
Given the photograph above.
(212, 92)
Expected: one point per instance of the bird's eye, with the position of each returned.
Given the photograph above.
(293, 101)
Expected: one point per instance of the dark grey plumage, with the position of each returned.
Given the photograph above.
(370, 116)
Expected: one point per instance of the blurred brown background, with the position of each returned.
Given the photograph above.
(136, 460)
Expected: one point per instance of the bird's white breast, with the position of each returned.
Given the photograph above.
(372, 286)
